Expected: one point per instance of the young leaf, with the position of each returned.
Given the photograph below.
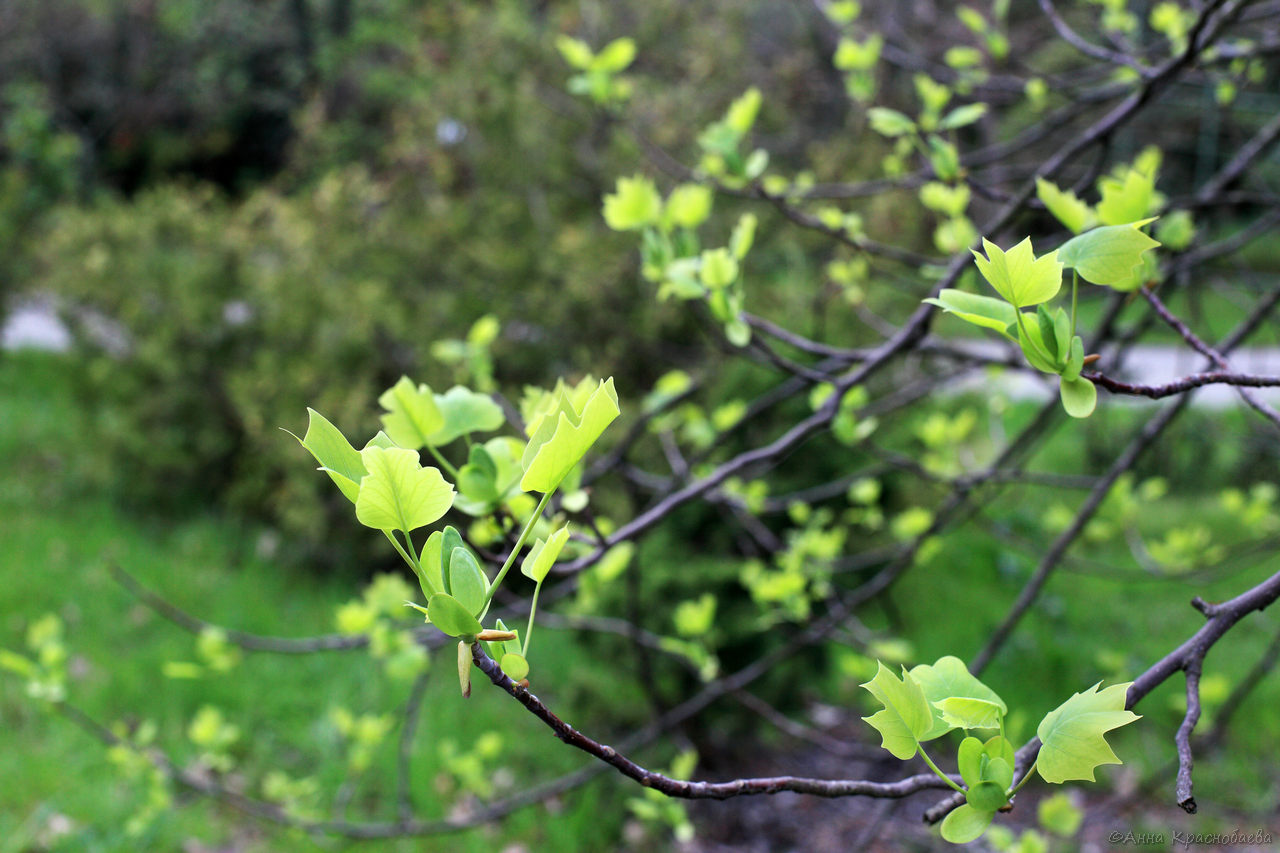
(564, 436)
(987, 796)
(1018, 275)
(614, 56)
(1033, 345)
(1125, 200)
(575, 52)
(467, 581)
(1048, 335)
(1072, 734)
(412, 415)
(906, 716)
(1079, 396)
(432, 578)
(965, 824)
(1108, 255)
(444, 611)
(962, 116)
(982, 311)
(463, 412)
(947, 678)
(969, 761)
(464, 668)
(542, 556)
(1075, 359)
(887, 122)
(398, 493)
(742, 113)
(514, 665)
(335, 454)
(1065, 205)
(634, 205)
(689, 205)
(964, 713)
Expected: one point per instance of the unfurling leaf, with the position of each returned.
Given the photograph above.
(542, 556)
(1072, 734)
(412, 414)
(949, 678)
(514, 665)
(463, 412)
(398, 493)
(906, 716)
(1065, 205)
(564, 435)
(464, 668)
(634, 205)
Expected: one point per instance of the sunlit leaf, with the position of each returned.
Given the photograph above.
(412, 414)
(1108, 255)
(950, 678)
(1065, 205)
(1072, 742)
(1079, 396)
(564, 436)
(449, 616)
(1018, 275)
(335, 454)
(398, 493)
(984, 311)
(906, 715)
(542, 556)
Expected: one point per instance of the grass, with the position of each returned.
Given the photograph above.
(59, 538)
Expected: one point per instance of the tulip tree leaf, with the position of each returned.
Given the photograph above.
(398, 493)
(1109, 255)
(564, 436)
(447, 614)
(965, 824)
(463, 412)
(431, 563)
(984, 311)
(514, 665)
(467, 581)
(412, 414)
(1079, 396)
(1018, 275)
(966, 713)
(987, 796)
(1072, 734)
(1065, 205)
(969, 761)
(335, 454)
(906, 715)
(949, 678)
(542, 556)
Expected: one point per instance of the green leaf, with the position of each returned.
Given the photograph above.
(449, 616)
(542, 556)
(1176, 230)
(575, 52)
(1033, 346)
(1072, 734)
(1065, 205)
(467, 582)
(1075, 359)
(887, 122)
(335, 454)
(514, 665)
(1001, 772)
(742, 113)
(1059, 815)
(615, 56)
(689, 205)
(969, 761)
(1108, 255)
(987, 796)
(999, 747)
(412, 415)
(948, 677)
(563, 437)
(1127, 199)
(962, 116)
(1048, 334)
(463, 412)
(1079, 397)
(477, 480)
(398, 493)
(1018, 275)
(464, 668)
(965, 713)
(718, 268)
(984, 311)
(431, 578)
(744, 234)
(906, 716)
(634, 205)
(966, 824)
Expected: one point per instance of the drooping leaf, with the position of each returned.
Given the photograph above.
(467, 581)
(965, 824)
(463, 412)
(946, 678)
(449, 616)
(984, 311)
(1065, 205)
(398, 493)
(1079, 396)
(542, 556)
(1108, 255)
(335, 454)
(1018, 275)
(906, 715)
(1072, 742)
(561, 441)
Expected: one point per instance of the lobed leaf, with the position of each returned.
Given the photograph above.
(1109, 255)
(398, 493)
(984, 311)
(542, 556)
(949, 678)
(463, 412)
(335, 454)
(412, 414)
(906, 716)
(1065, 205)
(1018, 275)
(1072, 734)
(563, 437)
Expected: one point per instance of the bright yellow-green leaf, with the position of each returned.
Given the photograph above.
(575, 52)
(633, 205)
(446, 613)
(906, 716)
(412, 414)
(1071, 735)
(543, 555)
(979, 310)
(689, 205)
(467, 581)
(965, 824)
(335, 454)
(966, 713)
(463, 412)
(1018, 275)
(950, 678)
(1108, 255)
(1126, 199)
(718, 268)
(1065, 205)
(563, 437)
(1079, 396)
(887, 122)
(742, 113)
(614, 56)
(398, 493)
(514, 665)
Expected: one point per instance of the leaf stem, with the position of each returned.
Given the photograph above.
(411, 558)
(1075, 287)
(1030, 770)
(528, 631)
(515, 551)
(444, 463)
(943, 776)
